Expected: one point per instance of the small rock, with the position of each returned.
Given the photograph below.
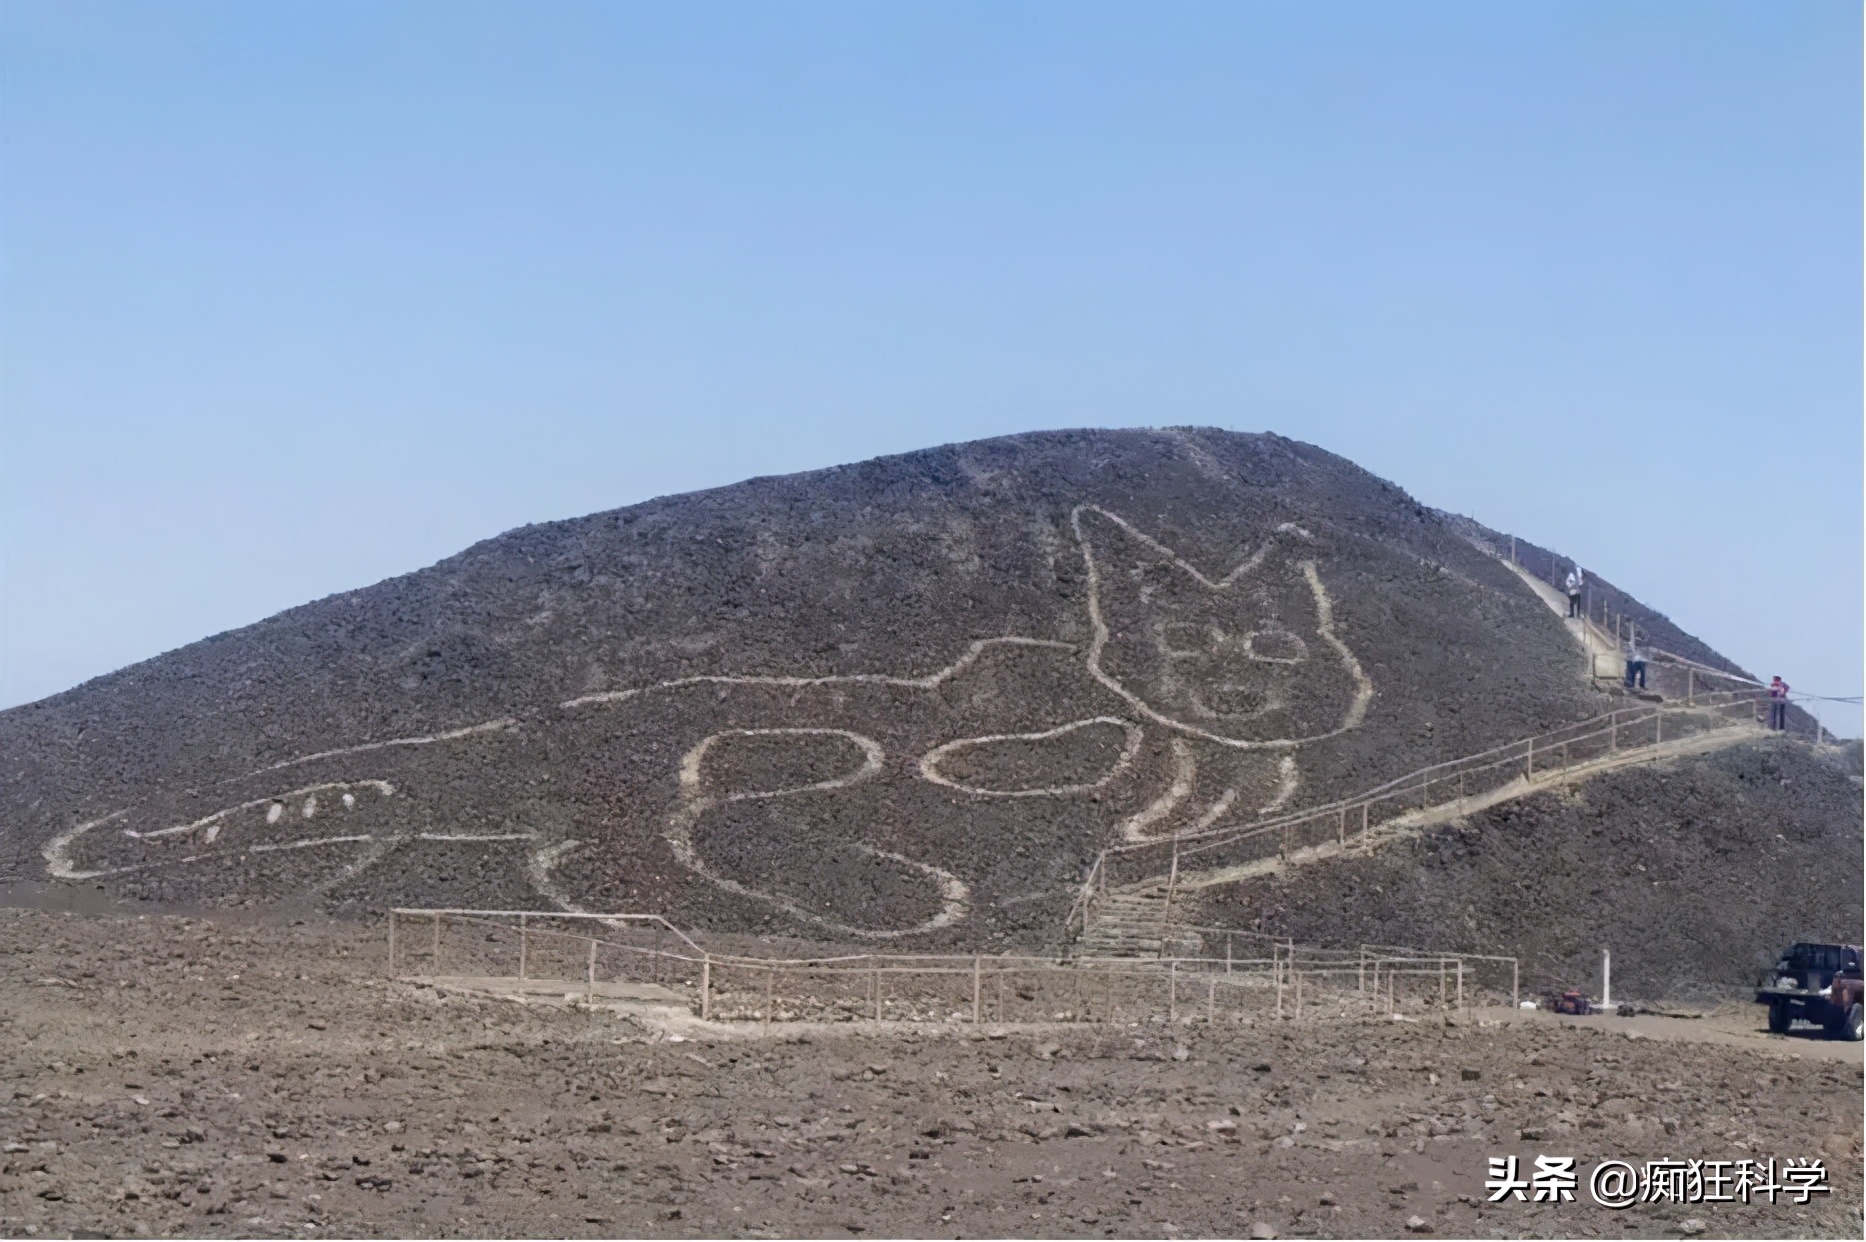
(317, 1025)
(1283, 1141)
(391, 1127)
(1470, 1075)
(1694, 1226)
(1181, 1052)
(1262, 1067)
(1418, 1224)
(1262, 1230)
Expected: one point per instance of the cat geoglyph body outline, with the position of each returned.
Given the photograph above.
(1190, 800)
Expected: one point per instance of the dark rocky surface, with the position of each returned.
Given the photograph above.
(1694, 871)
(894, 568)
(906, 700)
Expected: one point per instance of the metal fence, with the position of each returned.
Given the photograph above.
(596, 958)
(1624, 732)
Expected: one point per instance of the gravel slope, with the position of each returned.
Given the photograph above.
(1696, 872)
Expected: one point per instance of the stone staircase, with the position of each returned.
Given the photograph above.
(1132, 923)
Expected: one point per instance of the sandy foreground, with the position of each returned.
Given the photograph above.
(242, 1075)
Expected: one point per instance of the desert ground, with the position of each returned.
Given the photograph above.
(255, 1073)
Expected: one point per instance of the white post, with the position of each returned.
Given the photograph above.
(391, 944)
(1606, 980)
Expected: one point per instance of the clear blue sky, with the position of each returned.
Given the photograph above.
(294, 297)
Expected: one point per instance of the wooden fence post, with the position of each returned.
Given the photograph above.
(1460, 986)
(1341, 828)
(1515, 982)
(770, 990)
(391, 944)
(875, 968)
(706, 987)
(592, 981)
(1172, 992)
(524, 953)
(434, 954)
(978, 967)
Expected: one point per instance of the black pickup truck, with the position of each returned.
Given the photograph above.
(1818, 983)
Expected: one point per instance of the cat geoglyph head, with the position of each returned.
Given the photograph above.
(1248, 660)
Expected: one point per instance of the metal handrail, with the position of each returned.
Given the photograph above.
(1510, 753)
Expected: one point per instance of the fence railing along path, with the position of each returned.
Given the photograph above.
(1630, 733)
(597, 958)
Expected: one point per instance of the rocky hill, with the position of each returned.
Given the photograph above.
(904, 701)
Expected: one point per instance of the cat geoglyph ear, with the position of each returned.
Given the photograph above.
(1249, 659)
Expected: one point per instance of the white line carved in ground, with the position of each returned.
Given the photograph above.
(1186, 710)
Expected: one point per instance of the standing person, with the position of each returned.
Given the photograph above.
(1778, 705)
(1576, 580)
(1635, 661)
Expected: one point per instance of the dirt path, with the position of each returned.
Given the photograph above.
(1604, 658)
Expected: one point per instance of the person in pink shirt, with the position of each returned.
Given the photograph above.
(1778, 704)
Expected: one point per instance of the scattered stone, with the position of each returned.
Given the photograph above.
(1418, 1224)
(1262, 1229)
